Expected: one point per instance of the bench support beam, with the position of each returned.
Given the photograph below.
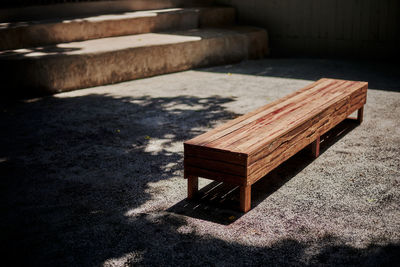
(245, 198)
(315, 147)
(360, 114)
(193, 186)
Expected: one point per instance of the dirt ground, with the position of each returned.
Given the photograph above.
(95, 177)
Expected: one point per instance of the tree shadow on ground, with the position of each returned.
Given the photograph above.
(381, 75)
(73, 167)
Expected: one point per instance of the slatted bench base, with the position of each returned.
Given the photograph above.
(244, 150)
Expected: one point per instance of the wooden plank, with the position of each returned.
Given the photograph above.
(315, 12)
(245, 198)
(348, 15)
(273, 125)
(315, 147)
(374, 21)
(193, 186)
(358, 97)
(313, 26)
(240, 121)
(329, 19)
(340, 16)
(294, 141)
(216, 154)
(322, 118)
(383, 25)
(216, 165)
(365, 19)
(214, 175)
(393, 20)
(357, 24)
(230, 126)
(360, 115)
(293, 18)
(266, 116)
(252, 131)
(295, 121)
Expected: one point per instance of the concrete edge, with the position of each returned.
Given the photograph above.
(91, 8)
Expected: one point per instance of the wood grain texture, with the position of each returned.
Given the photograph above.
(232, 125)
(193, 186)
(249, 132)
(360, 115)
(315, 147)
(245, 198)
(216, 165)
(246, 149)
(214, 175)
(214, 153)
(293, 141)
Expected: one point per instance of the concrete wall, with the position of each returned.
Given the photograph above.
(327, 28)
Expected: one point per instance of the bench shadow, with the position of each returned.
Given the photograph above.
(218, 202)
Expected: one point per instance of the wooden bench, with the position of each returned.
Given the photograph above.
(243, 150)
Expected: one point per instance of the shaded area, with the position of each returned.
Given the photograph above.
(357, 29)
(380, 75)
(36, 52)
(72, 167)
(24, 3)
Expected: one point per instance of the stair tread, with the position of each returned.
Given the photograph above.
(73, 29)
(109, 44)
(105, 17)
(85, 8)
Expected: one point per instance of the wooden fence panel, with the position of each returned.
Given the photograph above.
(332, 28)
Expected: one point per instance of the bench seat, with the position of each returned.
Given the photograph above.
(245, 149)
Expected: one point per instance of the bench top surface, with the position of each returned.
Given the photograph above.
(247, 133)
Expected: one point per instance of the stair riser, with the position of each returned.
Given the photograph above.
(63, 10)
(64, 73)
(52, 33)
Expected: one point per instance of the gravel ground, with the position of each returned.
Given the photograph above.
(95, 177)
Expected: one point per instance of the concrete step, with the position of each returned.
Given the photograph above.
(39, 33)
(63, 10)
(69, 66)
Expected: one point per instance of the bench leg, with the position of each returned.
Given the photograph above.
(360, 114)
(315, 147)
(193, 186)
(245, 198)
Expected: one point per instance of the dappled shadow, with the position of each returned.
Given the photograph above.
(28, 72)
(65, 19)
(89, 17)
(37, 52)
(98, 130)
(32, 52)
(219, 202)
(381, 75)
(73, 167)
